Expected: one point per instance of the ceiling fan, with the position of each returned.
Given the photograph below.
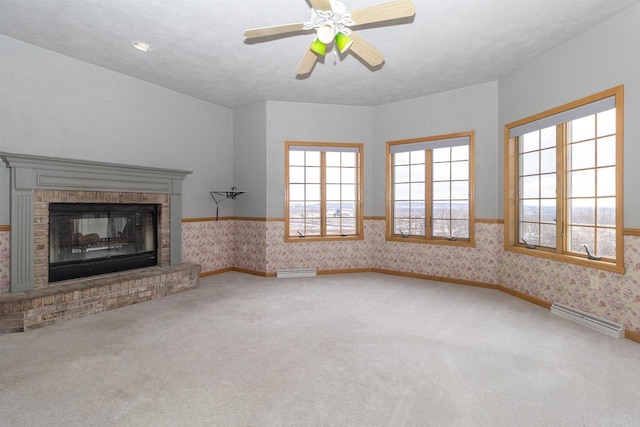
(332, 24)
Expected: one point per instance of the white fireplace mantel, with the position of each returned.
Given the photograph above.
(29, 173)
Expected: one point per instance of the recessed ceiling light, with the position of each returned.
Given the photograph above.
(142, 46)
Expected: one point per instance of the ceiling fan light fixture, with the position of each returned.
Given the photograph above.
(343, 42)
(326, 32)
(318, 47)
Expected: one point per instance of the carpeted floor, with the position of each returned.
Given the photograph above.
(356, 350)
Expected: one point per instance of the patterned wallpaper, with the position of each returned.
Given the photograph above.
(259, 246)
(4, 261)
(208, 243)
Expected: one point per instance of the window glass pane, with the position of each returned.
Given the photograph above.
(332, 175)
(401, 209)
(333, 208)
(582, 155)
(548, 137)
(441, 228)
(349, 209)
(460, 190)
(313, 175)
(333, 226)
(530, 231)
(442, 154)
(296, 175)
(548, 235)
(460, 170)
(401, 225)
(582, 211)
(548, 210)
(401, 158)
(582, 129)
(296, 158)
(460, 210)
(441, 191)
(441, 171)
(417, 173)
(548, 185)
(530, 210)
(459, 229)
(530, 187)
(417, 227)
(296, 210)
(348, 226)
(417, 191)
(607, 122)
(401, 192)
(312, 209)
(348, 192)
(607, 151)
(313, 191)
(548, 160)
(417, 157)
(607, 211)
(441, 210)
(296, 192)
(333, 191)
(313, 227)
(348, 175)
(417, 210)
(606, 242)
(295, 225)
(313, 158)
(333, 158)
(582, 183)
(530, 141)
(401, 174)
(607, 182)
(460, 152)
(349, 159)
(530, 163)
(582, 236)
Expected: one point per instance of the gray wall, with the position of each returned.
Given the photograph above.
(473, 108)
(250, 160)
(603, 57)
(54, 105)
(288, 121)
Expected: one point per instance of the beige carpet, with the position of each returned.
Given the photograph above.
(357, 350)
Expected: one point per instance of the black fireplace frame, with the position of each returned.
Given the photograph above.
(66, 270)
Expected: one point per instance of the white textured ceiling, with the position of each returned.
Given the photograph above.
(199, 48)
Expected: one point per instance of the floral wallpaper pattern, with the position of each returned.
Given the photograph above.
(4, 262)
(208, 243)
(259, 246)
(613, 296)
(250, 245)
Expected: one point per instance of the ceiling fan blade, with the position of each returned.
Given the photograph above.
(272, 31)
(383, 12)
(365, 51)
(307, 63)
(321, 4)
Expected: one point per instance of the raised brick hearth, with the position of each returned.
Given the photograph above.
(23, 311)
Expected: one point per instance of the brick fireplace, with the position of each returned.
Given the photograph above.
(37, 181)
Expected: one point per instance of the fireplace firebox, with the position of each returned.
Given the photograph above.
(87, 239)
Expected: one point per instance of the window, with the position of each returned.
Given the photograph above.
(564, 181)
(430, 189)
(323, 191)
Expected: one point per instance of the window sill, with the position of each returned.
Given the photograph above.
(411, 239)
(297, 239)
(571, 259)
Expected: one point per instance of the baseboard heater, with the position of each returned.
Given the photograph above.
(598, 323)
(283, 274)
